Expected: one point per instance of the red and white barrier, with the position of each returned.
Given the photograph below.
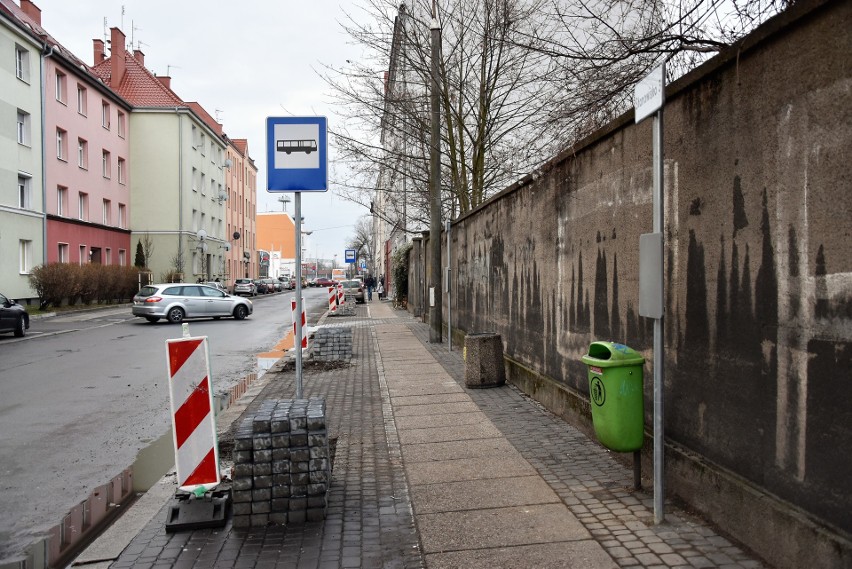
(193, 419)
(304, 322)
(341, 295)
(332, 300)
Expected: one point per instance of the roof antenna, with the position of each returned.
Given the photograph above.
(217, 112)
(106, 31)
(122, 17)
(169, 68)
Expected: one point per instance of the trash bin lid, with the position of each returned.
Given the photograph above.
(610, 354)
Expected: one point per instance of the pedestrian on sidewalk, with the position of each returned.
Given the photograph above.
(380, 290)
(370, 282)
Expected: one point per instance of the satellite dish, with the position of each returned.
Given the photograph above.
(223, 196)
(228, 163)
(227, 246)
(201, 234)
(236, 234)
(202, 247)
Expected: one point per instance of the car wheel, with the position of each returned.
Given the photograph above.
(20, 327)
(152, 318)
(240, 312)
(176, 315)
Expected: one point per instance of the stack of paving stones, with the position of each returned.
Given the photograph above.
(333, 345)
(282, 464)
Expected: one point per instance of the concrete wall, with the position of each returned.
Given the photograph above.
(758, 330)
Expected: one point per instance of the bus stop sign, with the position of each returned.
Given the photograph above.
(296, 154)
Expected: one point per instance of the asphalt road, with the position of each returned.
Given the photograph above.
(82, 394)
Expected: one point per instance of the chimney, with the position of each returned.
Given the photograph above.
(165, 80)
(118, 65)
(99, 51)
(139, 56)
(32, 11)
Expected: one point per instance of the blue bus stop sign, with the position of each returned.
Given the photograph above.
(350, 255)
(296, 154)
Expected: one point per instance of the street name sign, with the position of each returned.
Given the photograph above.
(296, 154)
(649, 93)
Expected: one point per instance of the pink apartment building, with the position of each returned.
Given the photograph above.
(241, 215)
(87, 186)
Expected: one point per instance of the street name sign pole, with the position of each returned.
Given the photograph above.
(297, 161)
(648, 99)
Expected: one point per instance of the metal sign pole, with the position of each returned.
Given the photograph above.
(449, 292)
(659, 347)
(297, 341)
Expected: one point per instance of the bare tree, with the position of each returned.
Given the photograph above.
(362, 240)
(491, 101)
(147, 247)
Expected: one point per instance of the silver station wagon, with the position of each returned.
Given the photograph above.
(176, 301)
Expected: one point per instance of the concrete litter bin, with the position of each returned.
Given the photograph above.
(483, 355)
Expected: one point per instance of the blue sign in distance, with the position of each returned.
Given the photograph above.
(363, 264)
(296, 154)
(350, 255)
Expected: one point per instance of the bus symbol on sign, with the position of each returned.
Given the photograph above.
(288, 146)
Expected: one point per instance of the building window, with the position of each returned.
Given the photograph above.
(121, 169)
(122, 257)
(194, 179)
(25, 192)
(194, 136)
(203, 144)
(22, 63)
(121, 124)
(83, 207)
(82, 254)
(106, 164)
(122, 215)
(23, 128)
(82, 154)
(195, 220)
(107, 219)
(203, 184)
(26, 256)
(61, 144)
(105, 115)
(81, 99)
(61, 200)
(63, 253)
(61, 89)
(108, 256)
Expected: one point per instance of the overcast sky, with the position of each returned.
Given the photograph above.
(249, 60)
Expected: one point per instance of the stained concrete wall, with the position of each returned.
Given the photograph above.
(758, 331)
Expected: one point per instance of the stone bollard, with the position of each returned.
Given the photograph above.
(483, 360)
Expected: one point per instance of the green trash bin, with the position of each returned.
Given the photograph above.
(615, 392)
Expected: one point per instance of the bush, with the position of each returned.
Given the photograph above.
(57, 283)
(399, 270)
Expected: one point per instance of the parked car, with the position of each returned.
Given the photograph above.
(260, 286)
(270, 285)
(324, 282)
(244, 287)
(13, 317)
(285, 282)
(176, 301)
(355, 290)
(279, 286)
(217, 284)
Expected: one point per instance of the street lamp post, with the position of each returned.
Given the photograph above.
(435, 312)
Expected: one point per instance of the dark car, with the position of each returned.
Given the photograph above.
(13, 317)
(271, 285)
(261, 287)
(324, 282)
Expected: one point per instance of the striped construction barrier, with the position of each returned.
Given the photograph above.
(304, 322)
(341, 295)
(332, 300)
(193, 419)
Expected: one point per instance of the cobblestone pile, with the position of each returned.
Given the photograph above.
(282, 464)
(333, 345)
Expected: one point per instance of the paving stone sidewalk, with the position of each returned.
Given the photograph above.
(430, 474)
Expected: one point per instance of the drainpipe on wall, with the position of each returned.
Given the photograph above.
(180, 188)
(47, 52)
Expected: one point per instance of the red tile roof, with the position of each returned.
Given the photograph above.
(205, 116)
(139, 86)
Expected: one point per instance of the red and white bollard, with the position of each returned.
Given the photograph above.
(341, 295)
(332, 300)
(193, 419)
(304, 322)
